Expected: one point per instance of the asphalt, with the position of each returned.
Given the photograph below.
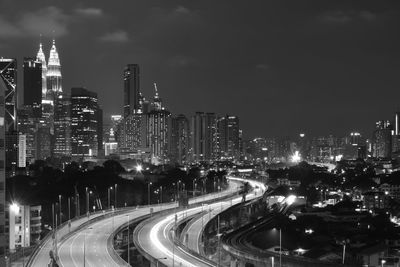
(88, 246)
(155, 237)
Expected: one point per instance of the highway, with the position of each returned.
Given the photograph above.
(42, 257)
(155, 236)
(88, 246)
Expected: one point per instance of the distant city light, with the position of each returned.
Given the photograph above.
(338, 157)
(14, 207)
(295, 157)
(139, 168)
(290, 199)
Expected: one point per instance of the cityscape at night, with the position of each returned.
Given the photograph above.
(199, 133)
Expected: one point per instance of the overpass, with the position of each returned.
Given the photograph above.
(156, 240)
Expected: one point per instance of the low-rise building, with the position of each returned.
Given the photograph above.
(25, 224)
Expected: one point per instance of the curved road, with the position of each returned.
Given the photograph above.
(88, 247)
(155, 237)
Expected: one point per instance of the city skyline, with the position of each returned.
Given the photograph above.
(226, 60)
(198, 133)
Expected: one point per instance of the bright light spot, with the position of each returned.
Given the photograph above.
(302, 135)
(139, 168)
(338, 157)
(295, 157)
(14, 207)
(290, 199)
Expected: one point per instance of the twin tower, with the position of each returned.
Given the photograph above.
(51, 73)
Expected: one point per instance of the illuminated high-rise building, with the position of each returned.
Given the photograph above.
(3, 114)
(42, 58)
(396, 133)
(158, 127)
(62, 127)
(382, 140)
(84, 125)
(8, 75)
(27, 125)
(131, 89)
(203, 136)
(229, 137)
(179, 139)
(53, 75)
(33, 85)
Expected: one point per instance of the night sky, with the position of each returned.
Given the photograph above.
(322, 67)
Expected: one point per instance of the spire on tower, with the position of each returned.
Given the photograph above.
(157, 100)
(155, 88)
(54, 77)
(42, 58)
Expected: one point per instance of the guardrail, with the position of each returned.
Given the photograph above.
(48, 236)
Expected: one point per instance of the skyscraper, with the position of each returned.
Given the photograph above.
(132, 133)
(62, 127)
(8, 76)
(42, 58)
(100, 148)
(33, 85)
(131, 89)
(179, 139)
(3, 114)
(203, 136)
(396, 133)
(158, 128)
(228, 135)
(382, 140)
(27, 125)
(53, 75)
(84, 122)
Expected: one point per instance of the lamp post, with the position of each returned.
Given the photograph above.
(219, 242)
(280, 247)
(59, 203)
(194, 180)
(69, 208)
(115, 195)
(344, 251)
(108, 196)
(148, 193)
(129, 258)
(77, 208)
(177, 190)
(87, 201)
(161, 196)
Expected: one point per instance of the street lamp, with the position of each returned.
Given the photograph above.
(280, 247)
(382, 262)
(77, 208)
(194, 180)
(87, 201)
(108, 195)
(59, 201)
(129, 258)
(115, 195)
(148, 193)
(161, 196)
